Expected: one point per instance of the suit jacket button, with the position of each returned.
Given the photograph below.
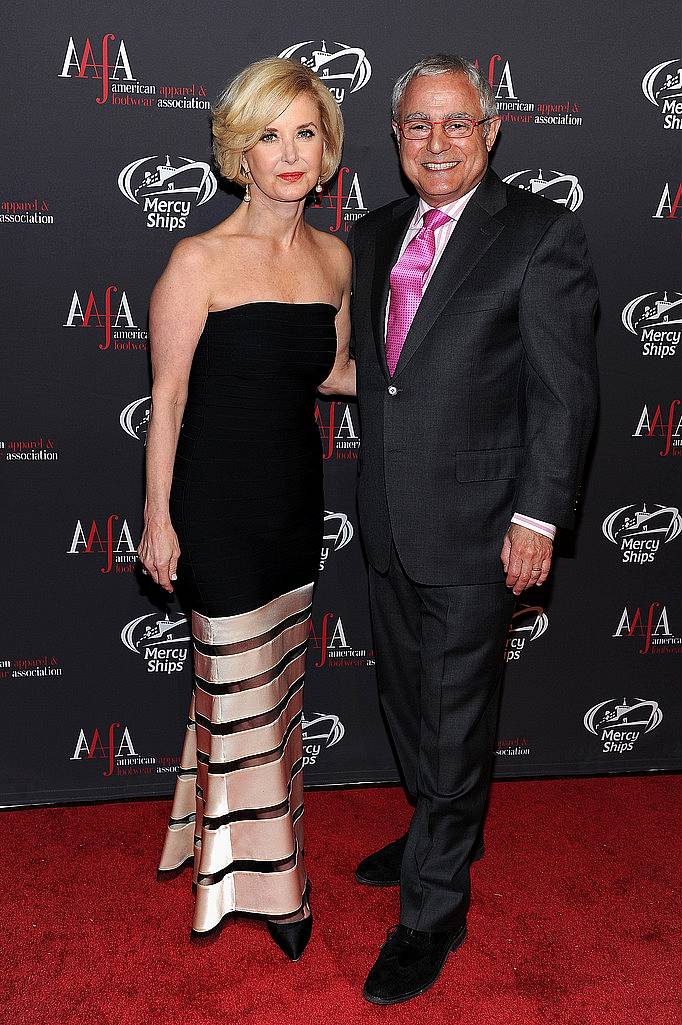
(392, 390)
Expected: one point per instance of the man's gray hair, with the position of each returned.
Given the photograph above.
(441, 64)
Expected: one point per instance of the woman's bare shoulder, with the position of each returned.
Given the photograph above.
(206, 245)
(333, 249)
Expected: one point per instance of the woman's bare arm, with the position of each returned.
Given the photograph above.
(177, 314)
(341, 379)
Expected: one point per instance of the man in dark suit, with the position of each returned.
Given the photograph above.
(473, 307)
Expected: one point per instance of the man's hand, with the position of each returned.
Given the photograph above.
(526, 557)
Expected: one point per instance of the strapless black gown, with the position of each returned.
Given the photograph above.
(247, 505)
(246, 498)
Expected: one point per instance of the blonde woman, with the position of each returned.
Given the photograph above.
(248, 321)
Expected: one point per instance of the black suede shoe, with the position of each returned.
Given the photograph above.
(409, 963)
(383, 867)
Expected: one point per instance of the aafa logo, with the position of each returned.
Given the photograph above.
(564, 189)
(666, 427)
(167, 193)
(333, 649)
(114, 543)
(338, 532)
(134, 418)
(662, 86)
(113, 751)
(320, 731)
(527, 624)
(564, 111)
(656, 319)
(114, 317)
(667, 206)
(87, 66)
(343, 199)
(639, 532)
(650, 627)
(340, 438)
(160, 640)
(345, 69)
(619, 724)
(499, 77)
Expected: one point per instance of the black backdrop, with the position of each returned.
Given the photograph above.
(95, 667)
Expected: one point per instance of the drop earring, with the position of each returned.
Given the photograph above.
(318, 187)
(247, 190)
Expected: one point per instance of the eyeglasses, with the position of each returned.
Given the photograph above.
(454, 127)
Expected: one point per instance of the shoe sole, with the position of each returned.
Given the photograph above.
(365, 881)
(456, 944)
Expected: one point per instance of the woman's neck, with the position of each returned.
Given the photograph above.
(280, 223)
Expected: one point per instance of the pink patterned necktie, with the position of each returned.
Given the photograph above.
(407, 284)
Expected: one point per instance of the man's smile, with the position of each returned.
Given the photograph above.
(440, 165)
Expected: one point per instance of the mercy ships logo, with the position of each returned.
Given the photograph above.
(343, 70)
(320, 731)
(639, 532)
(564, 189)
(656, 319)
(134, 418)
(619, 724)
(662, 86)
(167, 193)
(160, 640)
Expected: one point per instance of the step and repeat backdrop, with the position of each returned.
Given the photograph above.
(107, 164)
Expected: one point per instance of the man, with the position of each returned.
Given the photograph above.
(473, 307)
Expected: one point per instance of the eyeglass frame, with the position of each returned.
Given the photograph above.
(462, 117)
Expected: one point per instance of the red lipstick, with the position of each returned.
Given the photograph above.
(291, 176)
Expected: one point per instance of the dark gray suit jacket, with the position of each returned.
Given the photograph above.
(494, 397)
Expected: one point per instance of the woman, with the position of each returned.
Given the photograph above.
(247, 321)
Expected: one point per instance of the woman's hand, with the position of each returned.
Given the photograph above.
(158, 552)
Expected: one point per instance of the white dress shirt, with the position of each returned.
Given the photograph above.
(442, 237)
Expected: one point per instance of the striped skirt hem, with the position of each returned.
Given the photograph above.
(237, 811)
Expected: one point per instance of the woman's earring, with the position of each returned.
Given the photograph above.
(247, 191)
(318, 187)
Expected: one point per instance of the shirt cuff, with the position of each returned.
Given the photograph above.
(540, 526)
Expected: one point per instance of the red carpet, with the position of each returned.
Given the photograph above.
(574, 919)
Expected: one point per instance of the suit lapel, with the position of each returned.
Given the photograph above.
(387, 247)
(473, 235)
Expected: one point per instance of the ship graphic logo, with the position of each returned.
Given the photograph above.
(564, 189)
(190, 180)
(338, 529)
(630, 521)
(653, 309)
(658, 86)
(638, 714)
(154, 629)
(134, 419)
(530, 620)
(327, 728)
(344, 69)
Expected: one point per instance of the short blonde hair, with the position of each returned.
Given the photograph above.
(258, 95)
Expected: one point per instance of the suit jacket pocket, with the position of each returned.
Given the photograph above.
(475, 303)
(488, 463)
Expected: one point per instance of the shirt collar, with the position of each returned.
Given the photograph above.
(453, 210)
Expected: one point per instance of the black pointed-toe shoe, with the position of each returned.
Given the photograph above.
(409, 963)
(383, 867)
(292, 937)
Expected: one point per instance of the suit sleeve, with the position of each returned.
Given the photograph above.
(557, 305)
